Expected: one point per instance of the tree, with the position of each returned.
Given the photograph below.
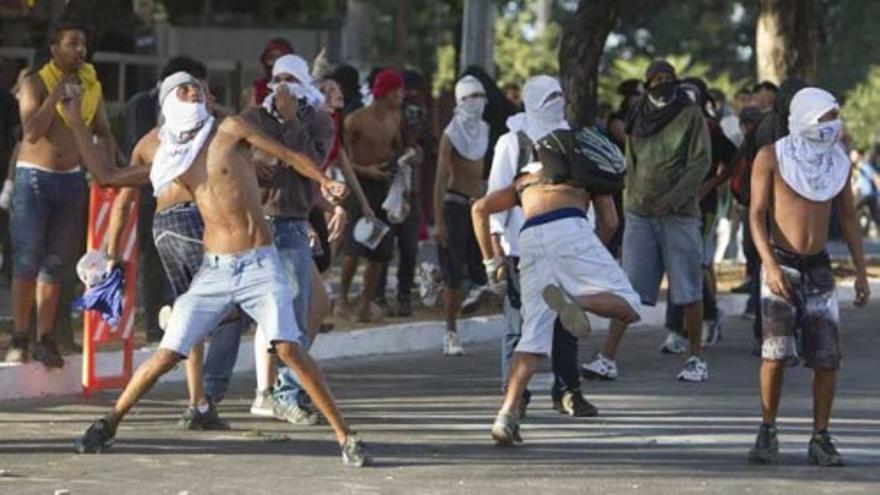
(580, 51)
(787, 39)
(861, 112)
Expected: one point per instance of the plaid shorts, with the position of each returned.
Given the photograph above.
(178, 231)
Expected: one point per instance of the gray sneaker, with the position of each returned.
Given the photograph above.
(294, 413)
(264, 404)
(766, 449)
(822, 450)
(354, 452)
(193, 419)
(505, 430)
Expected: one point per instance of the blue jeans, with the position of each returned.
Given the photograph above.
(46, 215)
(221, 356)
(292, 241)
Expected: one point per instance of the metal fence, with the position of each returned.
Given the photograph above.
(225, 77)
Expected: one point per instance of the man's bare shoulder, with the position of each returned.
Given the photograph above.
(146, 147)
(766, 157)
(35, 85)
(357, 117)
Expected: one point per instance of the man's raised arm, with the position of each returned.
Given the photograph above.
(95, 158)
(36, 116)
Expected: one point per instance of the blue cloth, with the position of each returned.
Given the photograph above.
(864, 180)
(552, 216)
(105, 298)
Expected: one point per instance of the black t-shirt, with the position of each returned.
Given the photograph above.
(9, 124)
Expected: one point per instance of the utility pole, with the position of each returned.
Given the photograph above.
(478, 33)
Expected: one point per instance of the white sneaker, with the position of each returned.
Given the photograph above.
(429, 289)
(452, 344)
(712, 330)
(163, 317)
(474, 298)
(695, 370)
(674, 344)
(264, 404)
(572, 317)
(600, 368)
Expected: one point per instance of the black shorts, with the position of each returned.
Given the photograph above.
(461, 257)
(376, 191)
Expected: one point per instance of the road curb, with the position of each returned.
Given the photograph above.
(32, 380)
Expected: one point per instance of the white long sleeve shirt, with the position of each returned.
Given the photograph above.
(506, 224)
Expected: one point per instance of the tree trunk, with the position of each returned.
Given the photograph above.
(787, 39)
(580, 51)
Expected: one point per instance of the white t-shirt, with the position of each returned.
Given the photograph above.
(508, 223)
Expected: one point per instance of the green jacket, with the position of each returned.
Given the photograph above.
(668, 166)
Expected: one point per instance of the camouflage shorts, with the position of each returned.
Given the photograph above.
(808, 325)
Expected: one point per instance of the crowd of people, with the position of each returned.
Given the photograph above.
(241, 216)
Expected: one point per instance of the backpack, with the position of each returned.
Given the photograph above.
(582, 158)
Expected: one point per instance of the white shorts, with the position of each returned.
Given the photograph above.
(566, 253)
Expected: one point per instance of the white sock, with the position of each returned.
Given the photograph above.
(261, 360)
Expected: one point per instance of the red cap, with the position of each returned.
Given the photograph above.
(385, 82)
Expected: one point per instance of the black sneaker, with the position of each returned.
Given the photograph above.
(822, 451)
(766, 449)
(354, 452)
(208, 421)
(574, 404)
(46, 352)
(98, 438)
(18, 348)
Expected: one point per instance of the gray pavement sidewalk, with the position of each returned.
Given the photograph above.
(426, 420)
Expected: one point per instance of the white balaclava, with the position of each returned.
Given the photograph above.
(467, 131)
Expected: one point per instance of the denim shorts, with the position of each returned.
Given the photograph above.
(252, 280)
(672, 245)
(48, 216)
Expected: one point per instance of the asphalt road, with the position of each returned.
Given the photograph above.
(426, 420)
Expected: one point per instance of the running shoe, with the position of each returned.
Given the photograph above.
(600, 368)
(505, 430)
(97, 438)
(694, 370)
(46, 352)
(404, 306)
(572, 317)
(574, 404)
(18, 349)
(712, 330)
(429, 289)
(163, 317)
(475, 297)
(822, 450)
(294, 413)
(452, 344)
(766, 449)
(674, 344)
(354, 452)
(210, 420)
(264, 404)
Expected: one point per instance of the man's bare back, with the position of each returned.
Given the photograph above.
(799, 225)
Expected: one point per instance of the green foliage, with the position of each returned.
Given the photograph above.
(861, 112)
(634, 68)
(521, 53)
(444, 77)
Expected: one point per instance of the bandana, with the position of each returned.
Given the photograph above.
(51, 76)
(305, 90)
(184, 132)
(812, 161)
(655, 109)
(544, 112)
(386, 81)
(467, 131)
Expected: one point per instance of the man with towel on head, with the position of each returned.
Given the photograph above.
(374, 143)
(50, 188)
(458, 184)
(241, 267)
(797, 180)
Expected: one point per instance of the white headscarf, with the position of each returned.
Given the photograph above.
(297, 67)
(185, 129)
(467, 131)
(542, 115)
(812, 161)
